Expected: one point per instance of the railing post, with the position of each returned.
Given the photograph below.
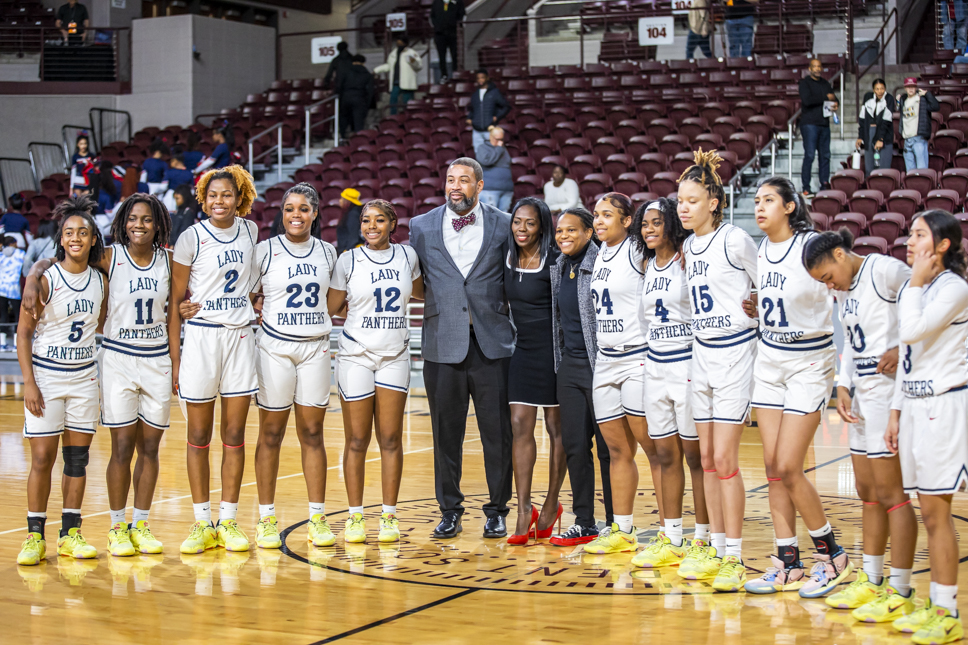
(790, 149)
(250, 158)
(773, 156)
(731, 200)
(581, 40)
(279, 152)
(308, 134)
(336, 122)
(841, 104)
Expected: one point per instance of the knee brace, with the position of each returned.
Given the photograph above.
(75, 460)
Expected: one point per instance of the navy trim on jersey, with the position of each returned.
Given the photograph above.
(343, 396)
(765, 244)
(151, 348)
(654, 261)
(617, 353)
(191, 400)
(198, 243)
(726, 253)
(806, 345)
(713, 239)
(615, 255)
(392, 387)
(738, 338)
(675, 356)
(135, 264)
(201, 324)
(68, 284)
(351, 338)
(393, 247)
(771, 406)
(245, 393)
(721, 419)
(268, 261)
(960, 481)
(663, 436)
(631, 249)
(878, 455)
(142, 352)
(278, 335)
(634, 413)
(239, 230)
(611, 418)
(312, 248)
(271, 409)
(118, 425)
(152, 423)
(874, 284)
(48, 364)
(84, 430)
(114, 256)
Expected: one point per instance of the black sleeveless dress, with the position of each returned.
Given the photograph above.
(531, 375)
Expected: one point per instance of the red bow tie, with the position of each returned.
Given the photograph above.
(466, 220)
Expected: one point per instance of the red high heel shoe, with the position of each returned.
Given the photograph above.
(519, 540)
(546, 533)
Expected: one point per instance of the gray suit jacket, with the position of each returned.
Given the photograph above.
(445, 336)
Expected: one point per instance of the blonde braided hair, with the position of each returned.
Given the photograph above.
(241, 180)
(703, 172)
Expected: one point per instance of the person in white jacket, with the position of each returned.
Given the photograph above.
(561, 193)
(402, 65)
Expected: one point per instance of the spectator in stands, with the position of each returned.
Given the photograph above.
(954, 26)
(185, 215)
(356, 90)
(916, 106)
(740, 23)
(191, 154)
(342, 62)
(699, 28)
(402, 64)
(11, 266)
(82, 164)
(43, 245)
(876, 127)
(14, 223)
(487, 107)
(561, 193)
(72, 20)
(445, 15)
(817, 102)
(154, 167)
(177, 174)
(496, 162)
(107, 192)
(348, 230)
(221, 157)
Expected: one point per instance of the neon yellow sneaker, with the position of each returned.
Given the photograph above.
(201, 538)
(231, 536)
(731, 576)
(119, 541)
(660, 552)
(389, 528)
(267, 534)
(860, 592)
(940, 628)
(319, 532)
(613, 541)
(33, 550)
(73, 545)
(143, 539)
(912, 622)
(355, 531)
(888, 606)
(700, 563)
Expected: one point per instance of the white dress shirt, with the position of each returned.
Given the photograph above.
(464, 246)
(561, 197)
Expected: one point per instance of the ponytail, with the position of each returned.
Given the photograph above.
(821, 247)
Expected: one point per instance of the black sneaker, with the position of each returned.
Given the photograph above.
(575, 535)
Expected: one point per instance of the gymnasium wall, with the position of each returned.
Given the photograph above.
(29, 118)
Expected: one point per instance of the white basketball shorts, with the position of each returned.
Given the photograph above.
(933, 443)
(70, 401)
(217, 361)
(618, 386)
(668, 402)
(872, 406)
(722, 379)
(293, 372)
(359, 375)
(135, 387)
(797, 382)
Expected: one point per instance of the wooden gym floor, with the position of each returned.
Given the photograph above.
(422, 590)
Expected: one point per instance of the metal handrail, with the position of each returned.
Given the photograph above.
(35, 164)
(310, 125)
(884, 42)
(98, 132)
(278, 147)
(7, 190)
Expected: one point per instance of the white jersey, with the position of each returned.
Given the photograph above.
(64, 339)
(720, 269)
(933, 329)
(796, 311)
(868, 314)
(295, 279)
(221, 262)
(617, 282)
(378, 285)
(666, 309)
(136, 322)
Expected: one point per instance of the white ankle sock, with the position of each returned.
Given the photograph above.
(266, 510)
(719, 543)
(356, 509)
(788, 542)
(901, 580)
(701, 533)
(734, 547)
(874, 568)
(822, 531)
(392, 510)
(117, 517)
(317, 509)
(624, 523)
(203, 512)
(227, 510)
(673, 531)
(946, 596)
(139, 515)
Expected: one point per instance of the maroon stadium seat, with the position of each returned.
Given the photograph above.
(856, 223)
(829, 202)
(870, 244)
(886, 180)
(887, 225)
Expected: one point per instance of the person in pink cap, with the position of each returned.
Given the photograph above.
(916, 106)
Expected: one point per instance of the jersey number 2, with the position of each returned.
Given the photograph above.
(231, 276)
(768, 311)
(296, 289)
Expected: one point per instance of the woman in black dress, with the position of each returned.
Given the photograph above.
(531, 379)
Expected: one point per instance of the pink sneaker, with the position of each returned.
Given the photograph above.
(827, 573)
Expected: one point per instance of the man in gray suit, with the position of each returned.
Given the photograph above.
(466, 339)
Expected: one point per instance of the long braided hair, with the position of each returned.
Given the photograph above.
(159, 214)
(703, 172)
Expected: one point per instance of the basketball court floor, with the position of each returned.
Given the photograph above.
(420, 591)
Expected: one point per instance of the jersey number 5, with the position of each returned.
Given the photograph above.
(77, 329)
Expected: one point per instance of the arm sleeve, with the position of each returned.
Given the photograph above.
(933, 105)
(339, 274)
(487, 155)
(413, 59)
(185, 248)
(846, 377)
(204, 164)
(890, 277)
(502, 106)
(741, 252)
(916, 322)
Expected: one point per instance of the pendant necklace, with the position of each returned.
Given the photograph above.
(528, 263)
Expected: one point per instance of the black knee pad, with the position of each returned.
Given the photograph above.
(75, 460)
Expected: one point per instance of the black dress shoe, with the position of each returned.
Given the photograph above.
(495, 527)
(449, 525)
